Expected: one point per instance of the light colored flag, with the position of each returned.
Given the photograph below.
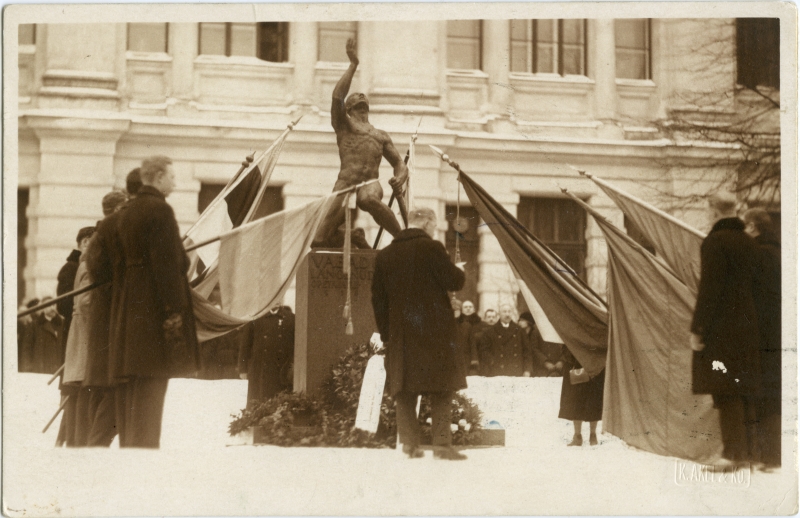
(258, 260)
(236, 204)
(546, 329)
(675, 241)
(648, 400)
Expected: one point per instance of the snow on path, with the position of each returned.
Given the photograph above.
(195, 473)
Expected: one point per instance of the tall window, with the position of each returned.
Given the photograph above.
(632, 38)
(266, 40)
(465, 230)
(464, 42)
(26, 34)
(270, 204)
(549, 47)
(333, 37)
(758, 52)
(561, 225)
(148, 37)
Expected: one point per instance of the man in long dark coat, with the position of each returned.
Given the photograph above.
(101, 255)
(758, 225)
(412, 310)
(504, 348)
(153, 336)
(725, 335)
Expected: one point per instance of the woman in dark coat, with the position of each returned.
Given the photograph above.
(581, 401)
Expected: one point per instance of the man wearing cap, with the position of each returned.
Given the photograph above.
(361, 147)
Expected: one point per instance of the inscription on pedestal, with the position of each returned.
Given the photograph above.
(320, 338)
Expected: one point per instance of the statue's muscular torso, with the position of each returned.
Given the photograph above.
(361, 148)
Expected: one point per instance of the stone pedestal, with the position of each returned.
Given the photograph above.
(320, 338)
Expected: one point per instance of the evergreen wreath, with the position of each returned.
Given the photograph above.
(327, 417)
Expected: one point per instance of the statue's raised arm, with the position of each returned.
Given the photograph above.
(339, 118)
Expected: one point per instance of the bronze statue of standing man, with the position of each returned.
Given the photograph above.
(361, 147)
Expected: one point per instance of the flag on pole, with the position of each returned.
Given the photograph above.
(258, 260)
(648, 400)
(674, 240)
(236, 203)
(577, 315)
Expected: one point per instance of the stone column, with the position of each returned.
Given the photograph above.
(81, 67)
(497, 284)
(303, 53)
(183, 49)
(77, 169)
(605, 72)
(402, 79)
(496, 54)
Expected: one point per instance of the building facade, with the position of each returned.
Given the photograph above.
(517, 103)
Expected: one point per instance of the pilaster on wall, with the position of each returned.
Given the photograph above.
(497, 285)
(605, 75)
(76, 171)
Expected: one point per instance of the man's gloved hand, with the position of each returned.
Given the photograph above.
(173, 327)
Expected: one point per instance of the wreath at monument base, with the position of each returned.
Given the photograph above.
(327, 417)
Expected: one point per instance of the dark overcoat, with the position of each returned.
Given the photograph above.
(154, 286)
(414, 317)
(725, 315)
(505, 351)
(46, 354)
(768, 305)
(267, 355)
(105, 264)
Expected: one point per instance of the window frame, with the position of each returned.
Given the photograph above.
(480, 39)
(532, 50)
(648, 51)
(256, 50)
(128, 40)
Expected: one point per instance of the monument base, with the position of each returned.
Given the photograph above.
(320, 338)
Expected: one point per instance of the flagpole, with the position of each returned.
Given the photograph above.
(643, 203)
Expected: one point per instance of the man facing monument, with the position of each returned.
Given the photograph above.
(361, 147)
(412, 312)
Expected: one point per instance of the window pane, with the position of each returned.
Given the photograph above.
(520, 30)
(573, 31)
(147, 37)
(464, 28)
(573, 59)
(519, 57)
(243, 39)
(631, 64)
(571, 224)
(631, 33)
(333, 37)
(273, 41)
(27, 34)
(546, 30)
(212, 39)
(560, 224)
(546, 56)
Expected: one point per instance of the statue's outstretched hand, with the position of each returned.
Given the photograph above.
(351, 51)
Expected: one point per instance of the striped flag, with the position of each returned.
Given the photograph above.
(648, 400)
(675, 241)
(258, 260)
(236, 204)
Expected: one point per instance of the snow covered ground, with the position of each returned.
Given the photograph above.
(196, 473)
